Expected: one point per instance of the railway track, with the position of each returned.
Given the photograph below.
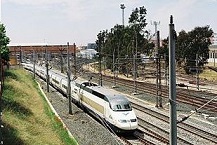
(184, 98)
(184, 126)
(136, 138)
(153, 131)
(158, 133)
(190, 97)
(213, 68)
(181, 97)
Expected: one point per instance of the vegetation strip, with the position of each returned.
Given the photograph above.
(27, 118)
(54, 111)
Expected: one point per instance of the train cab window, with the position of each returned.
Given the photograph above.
(118, 106)
(121, 107)
(127, 106)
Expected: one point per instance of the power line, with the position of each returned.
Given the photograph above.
(196, 110)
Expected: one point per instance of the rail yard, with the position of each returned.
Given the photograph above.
(72, 73)
(201, 125)
(133, 100)
(195, 126)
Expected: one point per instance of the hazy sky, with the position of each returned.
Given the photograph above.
(79, 21)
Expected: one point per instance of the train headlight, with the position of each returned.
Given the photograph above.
(122, 121)
(133, 120)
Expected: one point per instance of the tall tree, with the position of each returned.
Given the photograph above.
(4, 41)
(195, 42)
(189, 44)
(137, 22)
(137, 18)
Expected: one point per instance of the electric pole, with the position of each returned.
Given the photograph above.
(20, 56)
(114, 74)
(158, 74)
(166, 70)
(61, 58)
(214, 57)
(197, 72)
(75, 61)
(46, 64)
(69, 80)
(100, 68)
(34, 63)
(134, 74)
(172, 84)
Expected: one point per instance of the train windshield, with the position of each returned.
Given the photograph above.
(121, 106)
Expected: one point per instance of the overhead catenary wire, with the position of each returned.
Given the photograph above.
(186, 117)
(196, 109)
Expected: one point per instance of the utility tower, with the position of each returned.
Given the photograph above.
(122, 7)
(158, 74)
(158, 66)
(155, 23)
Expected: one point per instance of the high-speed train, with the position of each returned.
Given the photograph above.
(107, 104)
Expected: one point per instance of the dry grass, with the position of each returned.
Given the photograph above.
(209, 75)
(26, 116)
(212, 64)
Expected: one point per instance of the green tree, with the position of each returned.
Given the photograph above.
(124, 41)
(195, 42)
(137, 18)
(4, 41)
(188, 44)
(137, 22)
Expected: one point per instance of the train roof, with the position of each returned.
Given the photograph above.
(108, 94)
(111, 95)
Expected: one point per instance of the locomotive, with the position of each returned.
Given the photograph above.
(102, 102)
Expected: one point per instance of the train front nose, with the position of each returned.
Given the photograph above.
(128, 124)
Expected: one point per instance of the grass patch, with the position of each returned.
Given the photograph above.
(209, 75)
(27, 118)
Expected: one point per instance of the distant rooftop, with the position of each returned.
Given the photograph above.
(213, 47)
(35, 44)
(27, 44)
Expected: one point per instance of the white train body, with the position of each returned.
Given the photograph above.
(105, 103)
